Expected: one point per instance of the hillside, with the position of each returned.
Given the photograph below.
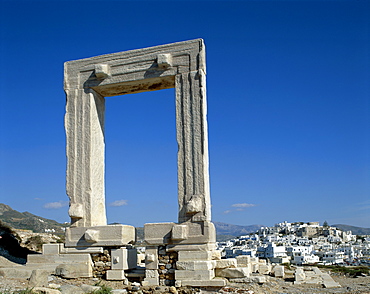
(235, 230)
(28, 221)
(224, 231)
(355, 230)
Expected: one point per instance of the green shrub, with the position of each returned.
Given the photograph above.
(35, 241)
(26, 291)
(286, 265)
(103, 289)
(9, 230)
(353, 271)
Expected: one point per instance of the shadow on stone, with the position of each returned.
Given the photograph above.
(10, 247)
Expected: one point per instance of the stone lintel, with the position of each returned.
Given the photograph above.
(132, 87)
(135, 65)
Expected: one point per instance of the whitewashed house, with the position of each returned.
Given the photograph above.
(332, 257)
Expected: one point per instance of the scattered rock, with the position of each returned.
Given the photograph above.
(71, 289)
(54, 286)
(89, 288)
(119, 291)
(39, 278)
(44, 290)
(70, 271)
(279, 271)
(239, 272)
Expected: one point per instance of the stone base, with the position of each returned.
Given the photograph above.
(193, 244)
(202, 232)
(158, 233)
(112, 235)
(199, 275)
(196, 265)
(65, 265)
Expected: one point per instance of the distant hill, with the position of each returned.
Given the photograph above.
(355, 230)
(235, 230)
(224, 231)
(28, 221)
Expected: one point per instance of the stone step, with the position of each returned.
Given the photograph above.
(57, 258)
(328, 281)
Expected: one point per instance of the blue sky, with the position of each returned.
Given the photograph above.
(288, 86)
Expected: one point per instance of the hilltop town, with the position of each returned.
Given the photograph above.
(301, 244)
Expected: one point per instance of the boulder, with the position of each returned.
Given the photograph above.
(39, 278)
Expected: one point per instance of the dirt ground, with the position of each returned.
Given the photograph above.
(279, 286)
(273, 286)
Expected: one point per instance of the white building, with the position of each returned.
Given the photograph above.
(305, 259)
(302, 254)
(332, 257)
(273, 252)
(300, 243)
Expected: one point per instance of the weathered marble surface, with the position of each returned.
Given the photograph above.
(88, 81)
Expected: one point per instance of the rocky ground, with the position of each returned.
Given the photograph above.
(272, 285)
(279, 286)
